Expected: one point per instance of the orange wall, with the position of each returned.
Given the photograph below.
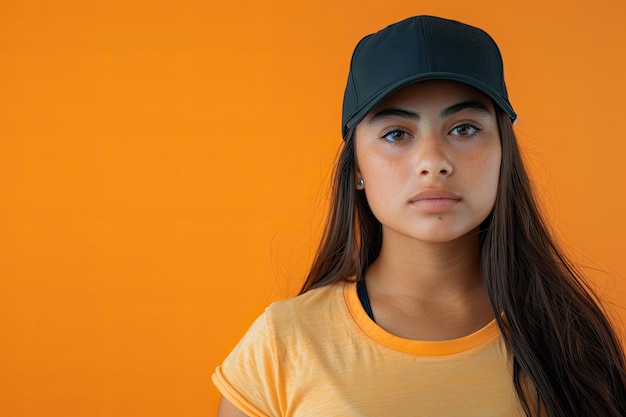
(162, 165)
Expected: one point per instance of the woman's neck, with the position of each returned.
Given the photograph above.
(429, 291)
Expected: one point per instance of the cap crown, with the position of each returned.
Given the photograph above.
(416, 49)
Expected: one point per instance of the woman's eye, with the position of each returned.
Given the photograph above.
(465, 130)
(396, 135)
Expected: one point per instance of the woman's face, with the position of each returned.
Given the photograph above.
(429, 156)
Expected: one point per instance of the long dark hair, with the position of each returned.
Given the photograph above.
(567, 359)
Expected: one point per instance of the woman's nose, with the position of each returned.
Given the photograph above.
(432, 157)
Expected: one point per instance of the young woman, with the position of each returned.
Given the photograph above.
(437, 289)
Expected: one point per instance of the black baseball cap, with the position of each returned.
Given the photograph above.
(417, 49)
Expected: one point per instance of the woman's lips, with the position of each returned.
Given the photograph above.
(435, 200)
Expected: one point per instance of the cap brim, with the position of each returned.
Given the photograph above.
(502, 102)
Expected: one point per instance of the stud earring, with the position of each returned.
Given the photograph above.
(360, 183)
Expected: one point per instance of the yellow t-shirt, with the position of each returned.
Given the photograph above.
(319, 354)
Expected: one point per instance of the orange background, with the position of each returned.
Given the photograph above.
(163, 168)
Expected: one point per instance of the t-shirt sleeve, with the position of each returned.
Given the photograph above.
(247, 377)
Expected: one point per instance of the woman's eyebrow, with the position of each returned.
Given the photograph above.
(405, 114)
(474, 105)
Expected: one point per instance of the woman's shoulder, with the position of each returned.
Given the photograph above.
(320, 311)
(313, 304)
